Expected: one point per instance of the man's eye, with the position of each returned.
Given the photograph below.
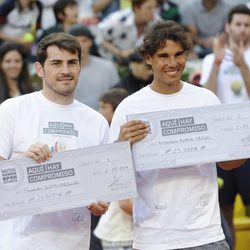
(73, 62)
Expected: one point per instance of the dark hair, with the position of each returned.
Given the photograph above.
(157, 35)
(20, 8)
(24, 80)
(135, 57)
(62, 41)
(238, 9)
(137, 3)
(114, 96)
(80, 30)
(59, 8)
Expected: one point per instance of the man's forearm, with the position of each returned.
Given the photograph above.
(100, 5)
(245, 72)
(211, 83)
(111, 48)
(229, 165)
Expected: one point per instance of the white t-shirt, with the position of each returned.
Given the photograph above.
(178, 207)
(230, 85)
(32, 118)
(115, 225)
(20, 22)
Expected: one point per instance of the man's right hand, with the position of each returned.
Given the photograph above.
(38, 152)
(133, 131)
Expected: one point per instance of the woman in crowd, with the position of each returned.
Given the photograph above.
(20, 20)
(14, 75)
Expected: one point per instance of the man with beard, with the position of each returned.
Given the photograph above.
(226, 73)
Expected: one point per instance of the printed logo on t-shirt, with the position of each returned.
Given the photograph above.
(60, 136)
(61, 128)
(59, 146)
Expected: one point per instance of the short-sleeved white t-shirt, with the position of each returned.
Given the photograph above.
(32, 118)
(178, 207)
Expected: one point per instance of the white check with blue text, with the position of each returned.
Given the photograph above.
(69, 179)
(184, 137)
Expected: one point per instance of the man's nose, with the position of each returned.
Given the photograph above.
(172, 61)
(65, 68)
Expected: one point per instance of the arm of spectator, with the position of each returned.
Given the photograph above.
(211, 83)
(111, 48)
(100, 5)
(8, 38)
(229, 165)
(38, 152)
(133, 131)
(1, 158)
(239, 61)
(246, 76)
(219, 51)
(126, 206)
(118, 53)
(124, 54)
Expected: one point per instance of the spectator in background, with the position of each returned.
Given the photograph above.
(87, 16)
(97, 74)
(109, 102)
(122, 31)
(20, 20)
(66, 14)
(14, 75)
(227, 73)
(138, 75)
(48, 16)
(115, 228)
(105, 7)
(205, 19)
(169, 10)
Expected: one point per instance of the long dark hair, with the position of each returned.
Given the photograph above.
(24, 80)
(19, 6)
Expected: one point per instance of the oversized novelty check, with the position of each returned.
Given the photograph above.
(184, 137)
(70, 179)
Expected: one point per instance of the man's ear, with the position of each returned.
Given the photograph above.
(39, 69)
(148, 59)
